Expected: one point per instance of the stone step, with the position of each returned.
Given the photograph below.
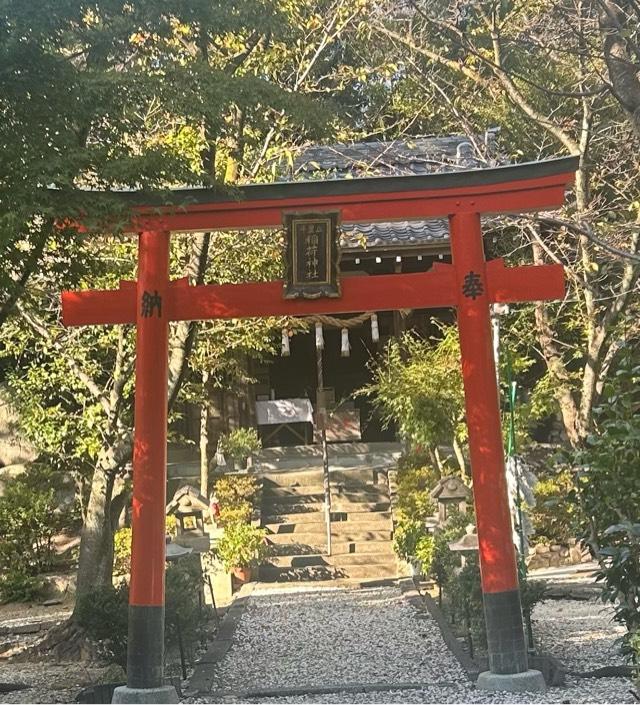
(358, 476)
(369, 522)
(299, 493)
(338, 560)
(316, 514)
(338, 547)
(318, 538)
(338, 449)
(338, 506)
(327, 572)
(343, 454)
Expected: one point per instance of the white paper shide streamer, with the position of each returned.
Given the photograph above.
(375, 332)
(345, 348)
(319, 337)
(286, 351)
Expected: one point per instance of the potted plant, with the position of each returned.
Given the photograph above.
(239, 444)
(241, 549)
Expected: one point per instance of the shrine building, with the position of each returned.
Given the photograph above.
(365, 250)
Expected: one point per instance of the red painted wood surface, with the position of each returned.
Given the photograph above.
(510, 197)
(150, 424)
(387, 292)
(493, 517)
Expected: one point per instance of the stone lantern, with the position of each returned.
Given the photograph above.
(451, 494)
(467, 545)
(188, 506)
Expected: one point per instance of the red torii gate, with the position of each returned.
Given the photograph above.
(470, 284)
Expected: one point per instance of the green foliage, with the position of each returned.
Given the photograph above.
(240, 443)
(406, 537)
(183, 613)
(30, 516)
(122, 551)
(236, 495)
(17, 585)
(414, 485)
(444, 560)
(417, 384)
(464, 591)
(608, 491)
(239, 513)
(634, 647)
(555, 516)
(242, 546)
(532, 592)
(104, 615)
(424, 552)
(234, 490)
(103, 612)
(620, 573)
(607, 479)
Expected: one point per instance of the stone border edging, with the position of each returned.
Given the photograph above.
(420, 601)
(201, 682)
(328, 689)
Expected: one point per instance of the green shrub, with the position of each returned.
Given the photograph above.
(103, 613)
(445, 561)
(555, 517)
(406, 536)
(30, 517)
(16, 585)
(122, 551)
(634, 646)
(242, 546)
(619, 574)
(532, 592)
(235, 515)
(416, 384)
(464, 591)
(234, 490)
(183, 613)
(424, 552)
(416, 457)
(413, 500)
(240, 443)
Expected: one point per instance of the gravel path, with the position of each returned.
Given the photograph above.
(342, 638)
(306, 638)
(48, 683)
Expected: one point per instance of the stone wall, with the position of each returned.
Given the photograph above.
(545, 555)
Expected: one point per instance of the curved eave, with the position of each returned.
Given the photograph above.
(514, 188)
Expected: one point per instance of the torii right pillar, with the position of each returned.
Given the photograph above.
(508, 666)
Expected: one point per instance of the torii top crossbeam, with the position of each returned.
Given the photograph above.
(516, 188)
(469, 284)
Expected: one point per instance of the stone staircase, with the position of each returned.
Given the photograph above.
(292, 512)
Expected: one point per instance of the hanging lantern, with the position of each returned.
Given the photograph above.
(319, 337)
(375, 332)
(285, 351)
(345, 343)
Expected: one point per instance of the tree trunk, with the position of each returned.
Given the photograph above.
(204, 438)
(555, 364)
(95, 563)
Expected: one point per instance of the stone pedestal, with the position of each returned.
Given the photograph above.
(530, 681)
(164, 694)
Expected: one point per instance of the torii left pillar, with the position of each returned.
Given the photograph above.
(145, 656)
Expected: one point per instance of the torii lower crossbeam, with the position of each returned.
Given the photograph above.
(469, 284)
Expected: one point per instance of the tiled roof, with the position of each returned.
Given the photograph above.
(416, 155)
(402, 233)
(402, 157)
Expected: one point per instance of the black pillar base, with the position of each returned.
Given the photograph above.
(505, 633)
(145, 648)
